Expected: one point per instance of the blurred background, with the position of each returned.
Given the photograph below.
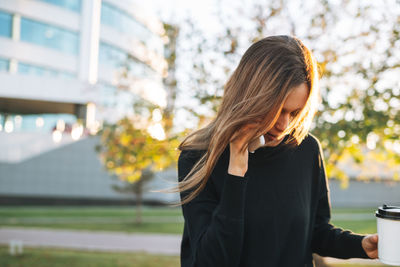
(96, 95)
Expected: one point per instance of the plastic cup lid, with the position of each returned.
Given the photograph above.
(388, 212)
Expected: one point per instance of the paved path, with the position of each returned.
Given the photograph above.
(106, 241)
(111, 241)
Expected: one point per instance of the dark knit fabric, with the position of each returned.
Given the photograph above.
(277, 215)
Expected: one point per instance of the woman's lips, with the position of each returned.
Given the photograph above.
(271, 136)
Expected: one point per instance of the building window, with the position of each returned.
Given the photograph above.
(49, 36)
(44, 123)
(5, 24)
(118, 99)
(112, 56)
(73, 5)
(4, 65)
(123, 22)
(29, 69)
(108, 95)
(116, 58)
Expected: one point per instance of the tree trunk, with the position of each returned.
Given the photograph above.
(139, 195)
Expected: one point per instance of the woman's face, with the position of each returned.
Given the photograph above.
(293, 104)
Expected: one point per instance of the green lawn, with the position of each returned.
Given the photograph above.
(35, 257)
(361, 227)
(354, 210)
(356, 265)
(39, 257)
(364, 226)
(85, 211)
(156, 220)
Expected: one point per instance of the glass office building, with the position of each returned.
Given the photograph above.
(60, 63)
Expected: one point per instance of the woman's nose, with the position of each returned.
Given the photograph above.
(282, 122)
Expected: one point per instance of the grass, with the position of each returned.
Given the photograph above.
(77, 211)
(354, 210)
(121, 219)
(355, 265)
(360, 227)
(40, 257)
(156, 220)
(364, 226)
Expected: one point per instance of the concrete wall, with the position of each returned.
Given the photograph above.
(362, 194)
(71, 171)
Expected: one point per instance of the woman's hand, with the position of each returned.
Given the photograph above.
(370, 245)
(239, 155)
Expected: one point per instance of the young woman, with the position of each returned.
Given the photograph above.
(270, 207)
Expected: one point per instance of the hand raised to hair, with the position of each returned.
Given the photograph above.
(239, 145)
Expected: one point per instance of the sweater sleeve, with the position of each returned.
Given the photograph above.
(329, 240)
(214, 224)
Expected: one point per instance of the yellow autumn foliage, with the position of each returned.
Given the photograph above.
(134, 177)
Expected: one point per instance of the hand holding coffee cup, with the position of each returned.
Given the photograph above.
(370, 245)
(388, 224)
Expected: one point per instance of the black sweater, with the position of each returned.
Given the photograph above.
(277, 215)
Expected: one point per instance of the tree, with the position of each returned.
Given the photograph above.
(133, 155)
(170, 82)
(356, 45)
(137, 146)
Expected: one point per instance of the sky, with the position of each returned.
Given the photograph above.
(204, 14)
(174, 11)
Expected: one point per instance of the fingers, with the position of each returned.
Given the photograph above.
(370, 245)
(375, 238)
(244, 135)
(246, 132)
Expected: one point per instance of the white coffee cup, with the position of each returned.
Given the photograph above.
(388, 224)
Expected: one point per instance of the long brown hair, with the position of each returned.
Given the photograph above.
(256, 90)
